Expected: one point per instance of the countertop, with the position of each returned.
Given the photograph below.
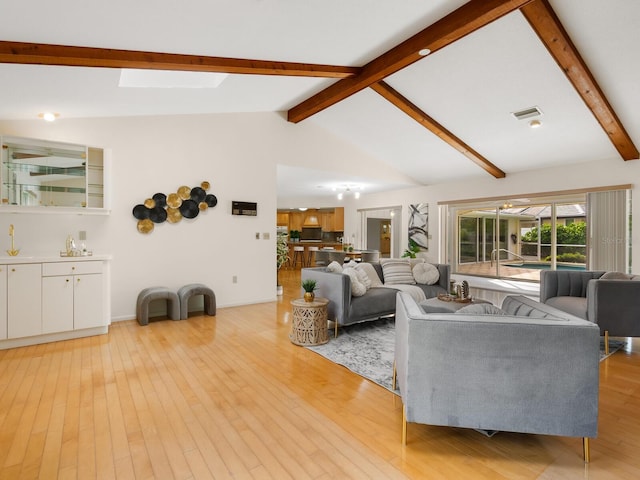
(42, 258)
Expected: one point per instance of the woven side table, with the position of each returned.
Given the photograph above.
(309, 325)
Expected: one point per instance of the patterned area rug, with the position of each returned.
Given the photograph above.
(367, 349)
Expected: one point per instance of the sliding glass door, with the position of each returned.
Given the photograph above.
(518, 239)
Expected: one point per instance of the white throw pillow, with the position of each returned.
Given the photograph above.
(426, 273)
(334, 267)
(397, 271)
(372, 274)
(357, 287)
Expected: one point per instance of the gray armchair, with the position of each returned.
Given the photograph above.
(612, 303)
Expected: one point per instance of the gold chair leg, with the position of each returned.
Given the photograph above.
(394, 377)
(586, 450)
(606, 342)
(335, 331)
(404, 425)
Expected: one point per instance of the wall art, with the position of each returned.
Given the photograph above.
(186, 202)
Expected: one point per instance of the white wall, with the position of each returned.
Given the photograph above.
(236, 153)
(585, 175)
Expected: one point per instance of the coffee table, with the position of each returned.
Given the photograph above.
(435, 305)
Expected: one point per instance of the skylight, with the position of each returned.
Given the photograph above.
(132, 78)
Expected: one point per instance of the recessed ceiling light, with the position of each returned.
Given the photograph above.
(48, 116)
(535, 123)
(424, 52)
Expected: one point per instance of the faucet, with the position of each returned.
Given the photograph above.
(12, 252)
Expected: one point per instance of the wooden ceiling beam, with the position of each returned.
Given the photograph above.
(548, 27)
(470, 17)
(70, 56)
(434, 127)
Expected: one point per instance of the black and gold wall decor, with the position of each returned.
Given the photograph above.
(186, 202)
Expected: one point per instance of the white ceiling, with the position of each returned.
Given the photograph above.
(470, 87)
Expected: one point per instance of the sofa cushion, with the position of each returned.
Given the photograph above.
(525, 307)
(426, 273)
(481, 309)
(576, 306)
(396, 271)
(370, 272)
(334, 267)
(378, 302)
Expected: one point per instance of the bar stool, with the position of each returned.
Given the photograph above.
(298, 255)
(311, 250)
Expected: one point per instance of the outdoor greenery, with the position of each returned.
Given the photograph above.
(571, 239)
(573, 234)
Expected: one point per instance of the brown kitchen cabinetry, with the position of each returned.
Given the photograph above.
(296, 219)
(283, 219)
(338, 219)
(330, 220)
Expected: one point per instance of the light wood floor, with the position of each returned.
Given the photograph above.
(230, 397)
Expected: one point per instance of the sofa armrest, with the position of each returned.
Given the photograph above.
(565, 283)
(335, 287)
(614, 306)
(445, 275)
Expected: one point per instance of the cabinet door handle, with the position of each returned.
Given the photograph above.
(78, 280)
(67, 280)
(13, 269)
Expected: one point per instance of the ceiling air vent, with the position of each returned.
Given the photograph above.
(527, 113)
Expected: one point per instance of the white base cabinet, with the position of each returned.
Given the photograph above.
(24, 300)
(56, 300)
(3, 302)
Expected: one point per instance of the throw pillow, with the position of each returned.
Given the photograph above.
(334, 267)
(481, 309)
(357, 287)
(426, 273)
(615, 276)
(371, 273)
(397, 271)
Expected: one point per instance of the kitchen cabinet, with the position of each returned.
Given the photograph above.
(282, 219)
(326, 221)
(72, 296)
(51, 298)
(296, 220)
(338, 219)
(24, 300)
(3, 302)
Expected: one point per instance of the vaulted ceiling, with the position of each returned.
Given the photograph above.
(426, 87)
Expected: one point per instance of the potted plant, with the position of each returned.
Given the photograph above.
(309, 285)
(282, 257)
(413, 249)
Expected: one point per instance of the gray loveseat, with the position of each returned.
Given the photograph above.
(611, 300)
(534, 369)
(345, 309)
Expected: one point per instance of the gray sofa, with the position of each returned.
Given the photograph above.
(532, 369)
(608, 299)
(345, 309)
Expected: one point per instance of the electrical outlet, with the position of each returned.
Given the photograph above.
(234, 279)
(266, 236)
(82, 235)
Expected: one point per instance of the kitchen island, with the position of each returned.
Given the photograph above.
(306, 245)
